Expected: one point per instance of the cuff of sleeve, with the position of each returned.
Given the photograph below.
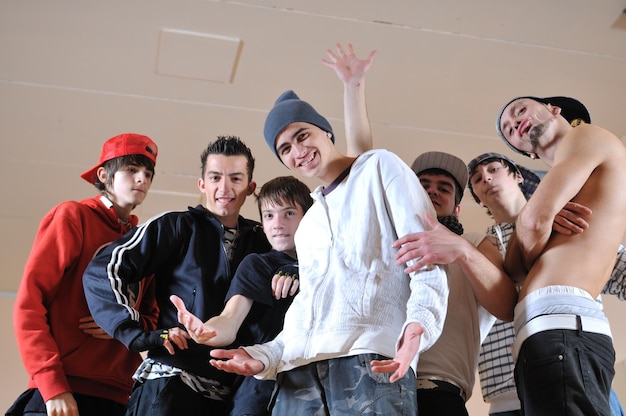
(269, 372)
(51, 383)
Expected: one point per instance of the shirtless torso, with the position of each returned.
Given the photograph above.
(588, 167)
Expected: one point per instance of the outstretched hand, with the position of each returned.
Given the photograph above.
(348, 66)
(194, 325)
(236, 361)
(409, 345)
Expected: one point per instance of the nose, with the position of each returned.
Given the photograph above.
(222, 185)
(140, 177)
(277, 222)
(298, 148)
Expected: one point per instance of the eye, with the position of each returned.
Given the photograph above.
(303, 136)
(285, 149)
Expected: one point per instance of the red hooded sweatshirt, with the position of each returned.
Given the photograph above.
(58, 356)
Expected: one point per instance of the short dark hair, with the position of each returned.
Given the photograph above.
(113, 165)
(506, 163)
(458, 189)
(228, 146)
(285, 189)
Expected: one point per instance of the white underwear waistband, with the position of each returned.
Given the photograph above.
(559, 321)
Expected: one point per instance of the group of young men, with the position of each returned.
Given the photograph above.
(396, 305)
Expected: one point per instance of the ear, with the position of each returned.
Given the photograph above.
(101, 174)
(201, 185)
(251, 188)
(554, 109)
(519, 178)
(533, 156)
(457, 211)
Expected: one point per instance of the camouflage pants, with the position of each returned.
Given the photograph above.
(343, 386)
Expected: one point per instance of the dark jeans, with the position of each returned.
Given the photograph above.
(169, 396)
(565, 372)
(435, 402)
(344, 386)
(31, 403)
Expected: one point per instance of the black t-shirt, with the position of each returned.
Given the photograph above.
(253, 279)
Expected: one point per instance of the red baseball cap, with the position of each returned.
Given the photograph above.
(123, 145)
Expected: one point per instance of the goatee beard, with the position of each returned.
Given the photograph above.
(535, 133)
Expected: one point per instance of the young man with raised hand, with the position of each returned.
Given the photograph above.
(359, 319)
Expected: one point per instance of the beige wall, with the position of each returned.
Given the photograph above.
(75, 72)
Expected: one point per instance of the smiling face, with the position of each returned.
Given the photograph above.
(524, 123)
(442, 191)
(280, 222)
(225, 185)
(304, 148)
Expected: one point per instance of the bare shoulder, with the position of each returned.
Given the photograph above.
(592, 135)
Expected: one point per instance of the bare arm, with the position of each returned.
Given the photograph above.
(482, 266)
(351, 71)
(576, 158)
(513, 261)
(220, 330)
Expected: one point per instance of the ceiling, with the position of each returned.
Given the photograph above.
(74, 73)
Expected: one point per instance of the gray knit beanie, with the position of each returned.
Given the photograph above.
(288, 109)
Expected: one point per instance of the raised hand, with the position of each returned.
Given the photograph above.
(348, 67)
